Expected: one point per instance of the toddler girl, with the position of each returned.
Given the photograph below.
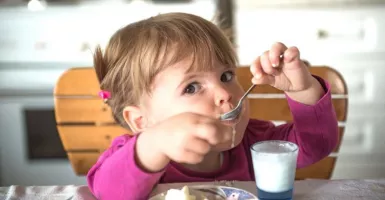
(170, 77)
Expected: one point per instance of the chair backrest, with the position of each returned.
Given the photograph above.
(86, 126)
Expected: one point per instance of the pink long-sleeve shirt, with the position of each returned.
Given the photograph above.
(314, 129)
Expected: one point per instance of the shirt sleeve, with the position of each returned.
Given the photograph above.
(116, 174)
(314, 128)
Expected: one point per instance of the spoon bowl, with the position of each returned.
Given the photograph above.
(233, 114)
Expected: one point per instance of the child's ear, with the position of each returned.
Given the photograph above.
(134, 118)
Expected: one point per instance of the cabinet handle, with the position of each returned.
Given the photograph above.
(322, 34)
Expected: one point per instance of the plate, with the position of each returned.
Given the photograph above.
(214, 192)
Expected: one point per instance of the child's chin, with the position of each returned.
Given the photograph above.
(225, 147)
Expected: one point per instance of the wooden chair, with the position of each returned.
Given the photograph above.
(87, 128)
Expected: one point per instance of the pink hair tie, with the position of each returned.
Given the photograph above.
(105, 95)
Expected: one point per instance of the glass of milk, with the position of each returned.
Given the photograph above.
(274, 165)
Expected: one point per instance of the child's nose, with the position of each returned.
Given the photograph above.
(222, 96)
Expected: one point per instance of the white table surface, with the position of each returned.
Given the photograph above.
(303, 190)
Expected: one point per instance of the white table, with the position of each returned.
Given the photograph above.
(303, 190)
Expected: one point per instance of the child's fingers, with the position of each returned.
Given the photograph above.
(277, 49)
(198, 146)
(259, 76)
(291, 54)
(256, 68)
(264, 80)
(267, 66)
(213, 131)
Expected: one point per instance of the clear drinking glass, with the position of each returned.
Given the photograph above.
(274, 165)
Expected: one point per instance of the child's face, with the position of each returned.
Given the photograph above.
(208, 93)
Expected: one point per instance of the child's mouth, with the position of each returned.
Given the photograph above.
(232, 121)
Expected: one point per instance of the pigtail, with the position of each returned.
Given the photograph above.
(101, 71)
(99, 64)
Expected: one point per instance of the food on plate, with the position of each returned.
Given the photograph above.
(183, 194)
(205, 192)
(186, 194)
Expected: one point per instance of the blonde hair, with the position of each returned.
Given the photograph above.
(136, 53)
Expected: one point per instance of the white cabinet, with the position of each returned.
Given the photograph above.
(306, 3)
(350, 41)
(321, 33)
(69, 34)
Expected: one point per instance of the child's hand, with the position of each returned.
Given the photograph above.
(188, 137)
(288, 74)
(184, 138)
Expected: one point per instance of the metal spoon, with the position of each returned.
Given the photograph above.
(232, 114)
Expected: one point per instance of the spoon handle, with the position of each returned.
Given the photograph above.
(247, 92)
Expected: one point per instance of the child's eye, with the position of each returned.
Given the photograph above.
(192, 88)
(227, 76)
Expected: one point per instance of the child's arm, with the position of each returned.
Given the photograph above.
(310, 96)
(132, 166)
(314, 128)
(116, 174)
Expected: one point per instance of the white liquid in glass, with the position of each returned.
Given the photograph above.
(274, 166)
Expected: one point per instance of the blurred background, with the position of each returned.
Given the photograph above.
(40, 39)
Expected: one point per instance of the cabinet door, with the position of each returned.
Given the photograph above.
(326, 33)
